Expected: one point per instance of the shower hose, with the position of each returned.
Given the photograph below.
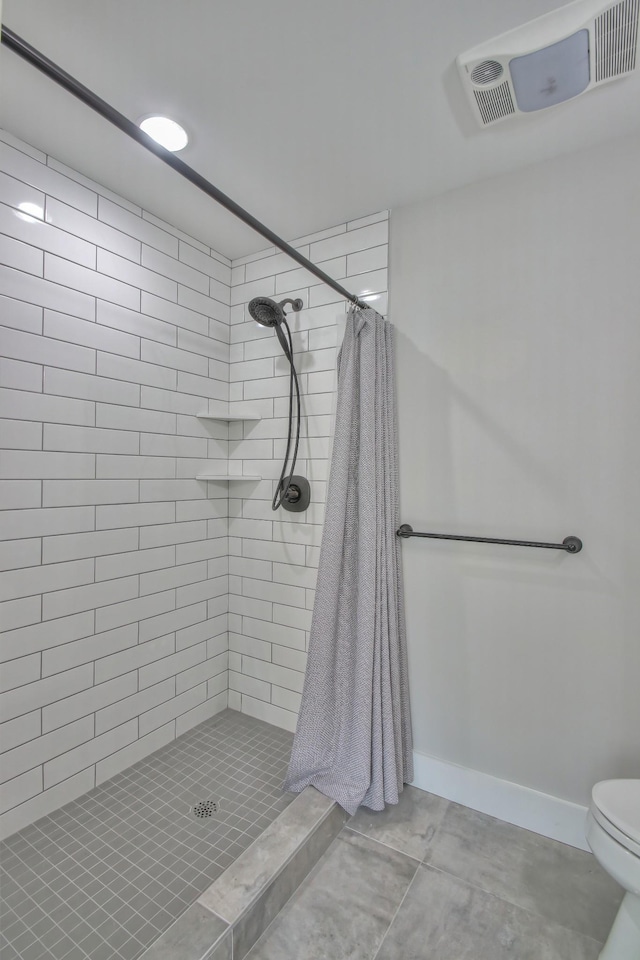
(283, 484)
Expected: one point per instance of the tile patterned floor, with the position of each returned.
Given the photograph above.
(432, 880)
(105, 875)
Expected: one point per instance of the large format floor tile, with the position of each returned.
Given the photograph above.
(443, 918)
(550, 879)
(485, 890)
(409, 826)
(345, 906)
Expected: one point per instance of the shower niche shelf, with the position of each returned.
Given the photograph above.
(229, 418)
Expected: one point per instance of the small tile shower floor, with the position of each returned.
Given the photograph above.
(105, 875)
(432, 880)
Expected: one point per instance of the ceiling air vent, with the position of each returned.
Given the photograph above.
(552, 59)
(494, 104)
(616, 33)
(487, 72)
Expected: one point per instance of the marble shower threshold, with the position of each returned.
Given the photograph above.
(231, 916)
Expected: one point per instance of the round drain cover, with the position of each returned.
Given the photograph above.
(206, 808)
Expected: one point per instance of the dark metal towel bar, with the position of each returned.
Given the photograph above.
(569, 544)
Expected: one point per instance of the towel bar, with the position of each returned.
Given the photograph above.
(569, 544)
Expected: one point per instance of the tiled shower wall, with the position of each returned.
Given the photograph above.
(114, 333)
(273, 557)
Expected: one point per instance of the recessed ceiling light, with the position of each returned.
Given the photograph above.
(167, 133)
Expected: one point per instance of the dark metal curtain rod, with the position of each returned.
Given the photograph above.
(569, 544)
(54, 72)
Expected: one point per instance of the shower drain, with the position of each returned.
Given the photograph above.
(206, 808)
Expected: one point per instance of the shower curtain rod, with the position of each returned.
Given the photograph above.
(91, 99)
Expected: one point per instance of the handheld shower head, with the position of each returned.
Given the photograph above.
(289, 494)
(268, 313)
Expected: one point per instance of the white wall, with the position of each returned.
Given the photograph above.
(274, 556)
(114, 336)
(517, 303)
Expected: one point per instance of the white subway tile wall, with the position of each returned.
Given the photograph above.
(273, 557)
(136, 600)
(113, 600)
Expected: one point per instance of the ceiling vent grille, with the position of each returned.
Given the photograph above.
(494, 104)
(487, 71)
(551, 60)
(616, 33)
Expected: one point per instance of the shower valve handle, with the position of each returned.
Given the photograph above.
(293, 493)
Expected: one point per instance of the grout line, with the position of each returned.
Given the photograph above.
(406, 893)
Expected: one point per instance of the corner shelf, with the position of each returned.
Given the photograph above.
(228, 418)
(226, 476)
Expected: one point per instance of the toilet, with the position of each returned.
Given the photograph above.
(613, 833)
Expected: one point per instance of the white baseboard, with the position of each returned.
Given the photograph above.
(522, 806)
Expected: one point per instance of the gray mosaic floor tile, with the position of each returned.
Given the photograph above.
(191, 937)
(104, 876)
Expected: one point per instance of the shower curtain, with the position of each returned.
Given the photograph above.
(353, 739)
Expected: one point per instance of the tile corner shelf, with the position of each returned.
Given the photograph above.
(226, 476)
(229, 418)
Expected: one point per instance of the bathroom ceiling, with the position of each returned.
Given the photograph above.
(306, 114)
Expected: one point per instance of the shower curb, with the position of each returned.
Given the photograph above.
(231, 915)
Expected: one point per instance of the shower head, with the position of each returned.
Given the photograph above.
(265, 311)
(268, 313)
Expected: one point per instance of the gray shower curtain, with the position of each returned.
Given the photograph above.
(353, 740)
